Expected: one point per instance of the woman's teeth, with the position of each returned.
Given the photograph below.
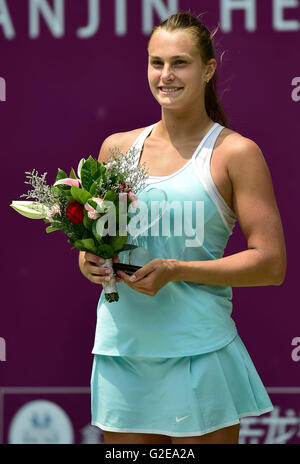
(168, 90)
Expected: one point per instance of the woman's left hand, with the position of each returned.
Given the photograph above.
(151, 277)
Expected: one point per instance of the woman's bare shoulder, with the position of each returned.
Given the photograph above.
(241, 153)
(123, 140)
(234, 142)
(235, 146)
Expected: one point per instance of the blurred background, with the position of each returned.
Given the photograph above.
(72, 73)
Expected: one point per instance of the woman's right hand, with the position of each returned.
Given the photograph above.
(93, 269)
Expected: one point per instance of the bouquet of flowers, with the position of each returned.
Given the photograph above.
(81, 204)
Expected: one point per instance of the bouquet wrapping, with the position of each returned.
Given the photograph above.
(91, 206)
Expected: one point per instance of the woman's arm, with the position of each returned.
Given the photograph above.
(81, 259)
(264, 262)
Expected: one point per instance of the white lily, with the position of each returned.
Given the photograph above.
(30, 209)
(68, 181)
(79, 167)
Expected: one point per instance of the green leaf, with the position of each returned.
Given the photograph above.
(68, 196)
(97, 236)
(87, 222)
(89, 171)
(92, 203)
(97, 174)
(72, 174)
(121, 178)
(60, 175)
(92, 160)
(86, 234)
(92, 189)
(118, 242)
(86, 245)
(80, 195)
(105, 251)
(63, 189)
(86, 178)
(56, 190)
(51, 229)
(110, 196)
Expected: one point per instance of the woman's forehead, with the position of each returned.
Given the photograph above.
(177, 43)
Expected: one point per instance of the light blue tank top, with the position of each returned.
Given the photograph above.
(183, 318)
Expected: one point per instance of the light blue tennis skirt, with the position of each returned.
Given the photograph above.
(184, 396)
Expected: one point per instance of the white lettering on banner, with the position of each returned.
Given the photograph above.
(280, 429)
(296, 91)
(121, 17)
(53, 13)
(249, 6)
(281, 24)
(2, 349)
(162, 10)
(54, 20)
(5, 21)
(296, 351)
(2, 89)
(93, 21)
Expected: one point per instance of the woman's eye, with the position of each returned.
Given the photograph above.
(159, 63)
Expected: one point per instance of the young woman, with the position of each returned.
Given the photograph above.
(169, 365)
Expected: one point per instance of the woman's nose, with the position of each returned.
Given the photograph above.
(167, 72)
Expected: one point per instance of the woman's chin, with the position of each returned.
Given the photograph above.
(178, 105)
(169, 102)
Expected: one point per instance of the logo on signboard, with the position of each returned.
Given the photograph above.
(296, 90)
(296, 351)
(2, 349)
(41, 422)
(2, 89)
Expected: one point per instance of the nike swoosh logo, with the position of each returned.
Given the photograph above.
(178, 419)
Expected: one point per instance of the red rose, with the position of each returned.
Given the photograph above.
(123, 186)
(74, 212)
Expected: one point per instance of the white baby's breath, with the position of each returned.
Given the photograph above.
(40, 191)
(135, 174)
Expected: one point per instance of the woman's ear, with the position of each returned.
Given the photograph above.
(211, 68)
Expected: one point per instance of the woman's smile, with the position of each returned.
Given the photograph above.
(170, 91)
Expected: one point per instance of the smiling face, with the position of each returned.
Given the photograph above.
(176, 73)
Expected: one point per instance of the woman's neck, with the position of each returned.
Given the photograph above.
(180, 126)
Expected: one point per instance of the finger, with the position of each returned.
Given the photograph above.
(126, 278)
(98, 269)
(123, 275)
(138, 275)
(91, 257)
(130, 284)
(96, 279)
(141, 273)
